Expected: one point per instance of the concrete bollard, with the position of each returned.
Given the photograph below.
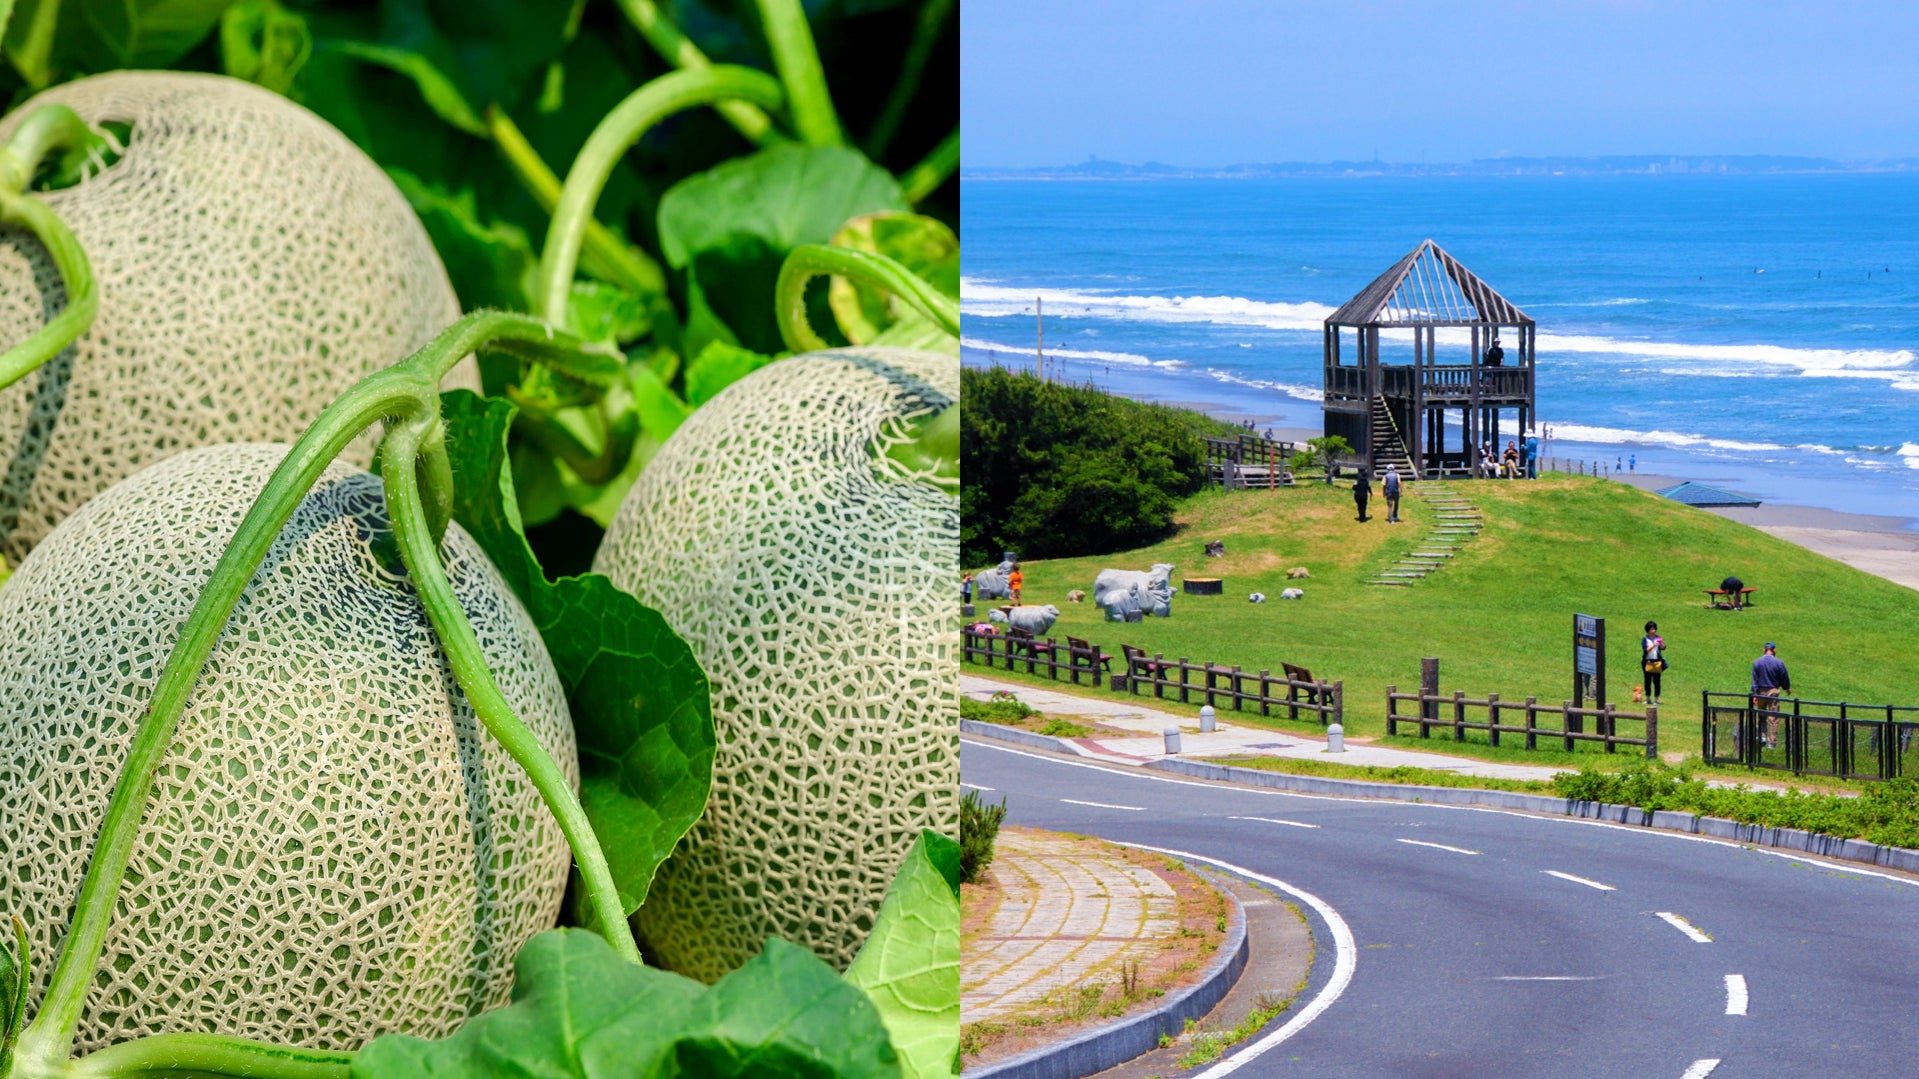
(1207, 721)
(1336, 738)
(1172, 741)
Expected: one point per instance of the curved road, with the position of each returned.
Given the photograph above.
(1488, 942)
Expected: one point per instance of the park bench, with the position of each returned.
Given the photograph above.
(1138, 665)
(1081, 654)
(1295, 692)
(1716, 596)
(1024, 641)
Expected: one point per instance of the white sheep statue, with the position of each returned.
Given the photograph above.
(1034, 620)
(992, 584)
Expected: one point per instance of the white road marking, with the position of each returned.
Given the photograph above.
(1438, 846)
(1103, 805)
(1346, 960)
(1579, 880)
(1276, 820)
(1700, 1069)
(1546, 978)
(976, 787)
(1132, 772)
(1684, 926)
(1735, 994)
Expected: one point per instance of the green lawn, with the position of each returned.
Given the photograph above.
(1499, 616)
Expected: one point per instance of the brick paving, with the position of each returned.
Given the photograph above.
(1069, 912)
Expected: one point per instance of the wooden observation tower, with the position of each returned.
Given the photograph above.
(1399, 413)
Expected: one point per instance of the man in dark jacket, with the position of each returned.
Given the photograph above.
(1769, 680)
(1362, 490)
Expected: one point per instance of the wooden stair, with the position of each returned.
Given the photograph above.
(1455, 522)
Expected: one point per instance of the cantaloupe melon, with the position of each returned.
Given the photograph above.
(334, 847)
(252, 264)
(812, 574)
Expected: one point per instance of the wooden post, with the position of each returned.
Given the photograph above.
(1652, 732)
(1185, 681)
(1159, 675)
(1339, 704)
(1428, 689)
(1565, 725)
(1265, 694)
(1459, 715)
(1392, 710)
(1492, 723)
(1532, 722)
(1609, 722)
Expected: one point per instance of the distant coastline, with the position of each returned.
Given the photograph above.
(1095, 169)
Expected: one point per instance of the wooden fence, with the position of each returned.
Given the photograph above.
(1060, 662)
(1237, 687)
(1788, 734)
(1564, 722)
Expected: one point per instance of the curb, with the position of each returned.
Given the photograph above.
(1758, 835)
(1115, 1044)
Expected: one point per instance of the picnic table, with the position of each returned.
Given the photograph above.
(1716, 596)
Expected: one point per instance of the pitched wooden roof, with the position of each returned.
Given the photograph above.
(1428, 288)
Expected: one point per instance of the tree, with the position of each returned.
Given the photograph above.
(1324, 452)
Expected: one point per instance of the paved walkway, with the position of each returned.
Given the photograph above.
(1230, 740)
(1069, 910)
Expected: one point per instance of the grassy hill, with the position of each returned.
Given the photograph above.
(1499, 616)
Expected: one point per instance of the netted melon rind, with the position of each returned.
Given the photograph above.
(252, 264)
(814, 584)
(334, 847)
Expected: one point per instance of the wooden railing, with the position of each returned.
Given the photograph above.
(1832, 738)
(1562, 723)
(1060, 662)
(1237, 687)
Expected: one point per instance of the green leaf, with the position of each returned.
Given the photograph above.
(31, 35)
(640, 707)
(718, 366)
(598, 311)
(490, 262)
(264, 43)
(732, 226)
(661, 413)
(439, 91)
(142, 33)
(921, 244)
(910, 963)
(581, 1011)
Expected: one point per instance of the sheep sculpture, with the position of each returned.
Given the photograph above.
(1118, 592)
(992, 583)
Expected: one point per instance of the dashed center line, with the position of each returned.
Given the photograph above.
(1276, 820)
(1104, 805)
(976, 787)
(1438, 846)
(1684, 926)
(1579, 880)
(1700, 1069)
(1735, 994)
(1547, 977)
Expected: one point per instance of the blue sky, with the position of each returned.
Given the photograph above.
(1213, 82)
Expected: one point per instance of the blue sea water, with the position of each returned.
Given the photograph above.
(1758, 332)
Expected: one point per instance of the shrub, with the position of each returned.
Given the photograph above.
(1051, 470)
(979, 828)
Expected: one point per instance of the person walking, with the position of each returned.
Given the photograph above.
(1389, 487)
(1015, 580)
(1769, 680)
(1652, 660)
(1362, 490)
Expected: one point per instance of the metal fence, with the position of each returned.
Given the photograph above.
(1238, 688)
(1060, 662)
(1828, 738)
(1563, 722)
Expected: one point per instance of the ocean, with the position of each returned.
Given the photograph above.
(1752, 332)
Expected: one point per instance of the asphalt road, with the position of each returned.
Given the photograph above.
(1481, 942)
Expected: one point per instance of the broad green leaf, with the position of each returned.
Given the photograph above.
(581, 1011)
(910, 963)
(490, 262)
(718, 366)
(639, 699)
(661, 413)
(921, 244)
(439, 91)
(30, 38)
(264, 43)
(142, 33)
(598, 311)
(733, 225)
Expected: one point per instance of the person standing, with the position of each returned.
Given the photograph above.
(1532, 456)
(1389, 487)
(1015, 580)
(1652, 661)
(1362, 491)
(1769, 680)
(966, 590)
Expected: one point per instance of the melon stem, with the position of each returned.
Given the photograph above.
(210, 1054)
(49, 129)
(808, 261)
(420, 551)
(407, 392)
(609, 142)
(790, 39)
